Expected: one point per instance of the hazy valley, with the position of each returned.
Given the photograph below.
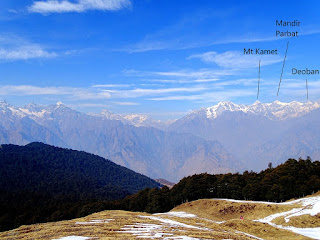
(224, 138)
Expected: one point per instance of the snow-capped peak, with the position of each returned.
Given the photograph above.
(216, 110)
(4, 105)
(58, 104)
(275, 110)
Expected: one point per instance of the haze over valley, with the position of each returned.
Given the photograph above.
(226, 137)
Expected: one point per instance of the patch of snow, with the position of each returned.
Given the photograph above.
(270, 218)
(96, 221)
(173, 223)
(187, 215)
(304, 201)
(310, 205)
(220, 222)
(316, 209)
(182, 238)
(178, 214)
(308, 232)
(249, 235)
(72, 238)
(244, 201)
(144, 230)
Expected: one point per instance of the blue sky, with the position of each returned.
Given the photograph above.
(162, 58)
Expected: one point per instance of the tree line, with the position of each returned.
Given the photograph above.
(292, 179)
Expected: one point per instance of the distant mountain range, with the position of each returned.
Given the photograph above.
(259, 133)
(222, 138)
(137, 120)
(147, 150)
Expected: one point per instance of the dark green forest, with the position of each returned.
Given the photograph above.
(292, 179)
(41, 183)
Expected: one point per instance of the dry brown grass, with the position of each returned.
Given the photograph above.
(60, 229)
(208, 212)
(112, 229)
(303, 221)
(263, 230)
(221, 210)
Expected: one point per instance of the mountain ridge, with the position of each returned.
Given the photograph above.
(226, 137)
(275, 110)
(146, 150)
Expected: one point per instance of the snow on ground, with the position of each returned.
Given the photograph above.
(96, 221)
(145, 230)
(305, 201)
(178, 214)
(181, 238)
(244, 201)
(173, 223)
(270, 218)
(308, 232)
(151, 231)
(186, 215)
(316, 209)
(249, 235)
(310, 205)
(72, 238)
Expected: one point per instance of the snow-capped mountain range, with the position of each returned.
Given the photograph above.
(138, 120)
(146, 150)
(276, 110)
(225, 137)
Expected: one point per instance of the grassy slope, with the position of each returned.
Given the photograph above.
(208, 211)
(230, 212)
(112, 229)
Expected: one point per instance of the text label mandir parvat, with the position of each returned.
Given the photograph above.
(281, 33)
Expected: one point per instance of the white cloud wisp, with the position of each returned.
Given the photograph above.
(236, 59)
(56, 6)
(74, 93)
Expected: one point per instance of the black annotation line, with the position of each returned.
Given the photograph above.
(307, 89)
(284, 61)
(258, 81)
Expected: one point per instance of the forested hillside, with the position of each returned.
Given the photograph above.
(39, 182)
(294, 178)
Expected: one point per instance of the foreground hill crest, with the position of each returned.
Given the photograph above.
(202, 219)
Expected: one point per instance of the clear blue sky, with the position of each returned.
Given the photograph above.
(159, 57)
